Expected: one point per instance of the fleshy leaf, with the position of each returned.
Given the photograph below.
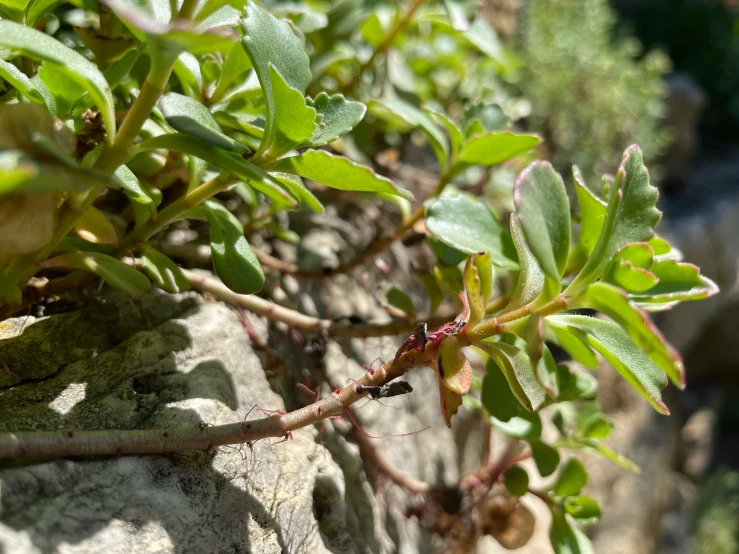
(592, 216)
(678, 282)
(572, 477)
(270, 41)
(338, 117)
(228, 161)
(543, 211)
(295, 121)
(295, 185)
(630, 217)
(466, 224)
(484, 117)
(493, 148)
(456, 138)
(33, 89)
(615, 304)
(583, 509)
(566, 539)
(339, 172)
(545, 457)
(525, 425)
(435, 294)
(454, 367)
(9, 291)
(531, 278)
(163, 271)
(41, 46)
(516, 366)
(575, 347)
(233, 258)
(478, 282)
(407, 117)
(398, 303)
(189, 116)
(496, 394)
(95, 227)
(615, 345)
(516, 480)
(449, 400)
(117, 274)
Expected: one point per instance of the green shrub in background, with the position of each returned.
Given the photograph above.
(590, 96)
(715, 523)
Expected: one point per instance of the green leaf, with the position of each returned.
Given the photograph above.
(595, 426)
(398, 303)
(678, 282)
(117, 274)
(296, 186)
(163, 271)
(575, 347)
(630, 217)
(531, 278)
(566, 539)
(482, 117)
(466, 224)
(571, 478)
(526, 425)
(584, 509)
(120, 69)
(93, 226)
(592, 216)
(294, 122)
(615, 304)
(233, 258)
(615, 345)
(407, 117)
(483, 36)
(633, 279)
(446, 255)
(234, 66)
(493, 148)
(516, 366)
(228, 161)
(9, 291)
(187, 69)
(576, 385)
(545, 457)
(189, 116)
(269, 41)
(339, 173)
(40, 46)
(594, 446)
(496, 395)
(516, 480)
(543, 210)
(33, 89)
(456, 138)
(338, 117)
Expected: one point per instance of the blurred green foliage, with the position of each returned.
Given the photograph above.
(590, 95)
(716, 525)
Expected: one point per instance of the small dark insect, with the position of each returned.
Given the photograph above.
(202, 425)
(396, 388)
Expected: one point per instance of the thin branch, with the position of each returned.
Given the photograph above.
(64, 443)
(296, 320)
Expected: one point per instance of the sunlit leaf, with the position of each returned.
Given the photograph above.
(338, 117)
(454, 367)
(516, 366)
(339, 172)
(95, 227)
(163, 272)
(233, 258)
(615, 345)
(571, 478)
(493, 148)
(466, 224)
(113, 271)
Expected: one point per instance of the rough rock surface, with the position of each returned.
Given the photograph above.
(173, 361)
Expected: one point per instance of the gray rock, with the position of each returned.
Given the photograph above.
(173, 361)
(196, 366)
